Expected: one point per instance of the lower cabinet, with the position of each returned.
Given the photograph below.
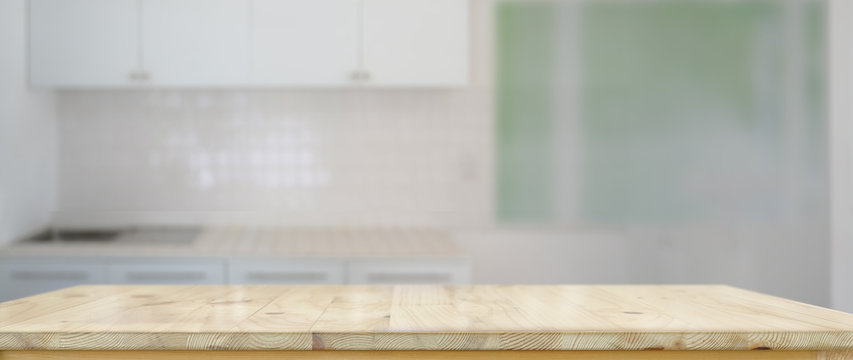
(409, 271)
(349, 271)
(24, 277)
(286, 271)
(171, 271)
(20, 278)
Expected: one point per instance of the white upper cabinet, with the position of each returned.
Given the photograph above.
(119, 43)
(195, 42)
(83, 42)
(285, 43)
(416, 42)
(304, 42)
(360, 42)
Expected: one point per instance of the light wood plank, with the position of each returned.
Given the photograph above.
(350, 321)
(20, 310)
(835, 355)
(411, 355)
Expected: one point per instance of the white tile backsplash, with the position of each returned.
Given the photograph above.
(404, 156)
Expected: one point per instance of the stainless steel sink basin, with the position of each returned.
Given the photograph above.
(141, 235)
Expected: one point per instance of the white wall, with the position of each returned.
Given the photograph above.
(27, 134)
(772, 260)
(841, 138)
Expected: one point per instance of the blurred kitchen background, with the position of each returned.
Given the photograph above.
(427, 141)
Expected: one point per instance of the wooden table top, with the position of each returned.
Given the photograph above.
(418, 318)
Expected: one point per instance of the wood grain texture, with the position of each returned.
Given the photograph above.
(409, 355)
(836, 355)
(419, 318)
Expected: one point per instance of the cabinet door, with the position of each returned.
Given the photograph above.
(416, 42)
(167, 271)
(285, 271)
(409, 271)
(19, 278)
(195, 42)
(82, 43)
(299, 42)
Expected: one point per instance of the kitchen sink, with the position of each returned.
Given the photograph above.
(136, 235)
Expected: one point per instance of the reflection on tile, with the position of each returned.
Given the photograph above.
(343, 152)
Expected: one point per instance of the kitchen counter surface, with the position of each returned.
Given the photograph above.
(239, 241)
(620, 318)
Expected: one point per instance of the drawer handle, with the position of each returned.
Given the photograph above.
(165, 276)
(408, 278)
(287, 276)
(360, 75)
(139, 76)
(50, 275)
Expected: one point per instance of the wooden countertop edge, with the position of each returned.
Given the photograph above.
(426, 355)
(542, 341)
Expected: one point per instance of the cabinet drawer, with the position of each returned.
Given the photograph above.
(286, 272)
(172, 271)
(25, 278)
(409, 271)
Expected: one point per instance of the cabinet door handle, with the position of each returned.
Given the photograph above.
(165, 276)
(50, 275)
(287, 277)
(360, 75)
(139, 76)
(408, 278)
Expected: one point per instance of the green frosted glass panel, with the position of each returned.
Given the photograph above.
(665, 85)
(524, 116)
(684, 110)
